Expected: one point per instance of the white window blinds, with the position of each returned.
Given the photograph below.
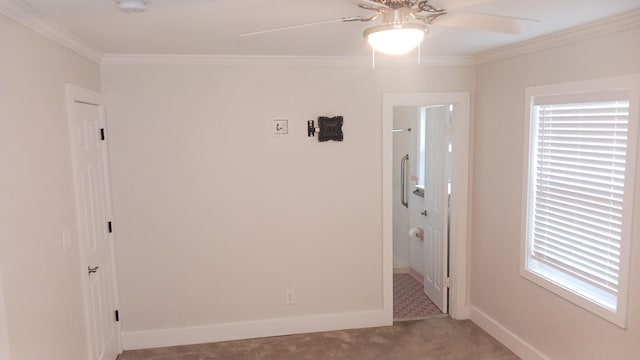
(579, 187)
(580, 162)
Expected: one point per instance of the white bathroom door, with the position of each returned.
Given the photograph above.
(435, 205)
(93, 202)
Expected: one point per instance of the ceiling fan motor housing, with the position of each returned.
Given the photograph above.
(397, 16)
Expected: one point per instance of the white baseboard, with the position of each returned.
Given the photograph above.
(516, 344)
(132, 340)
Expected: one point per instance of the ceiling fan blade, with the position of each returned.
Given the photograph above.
(298, 26)
(494, 23)
(459, 4)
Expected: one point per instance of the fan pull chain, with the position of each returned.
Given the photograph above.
(373, 58)
(419, 53)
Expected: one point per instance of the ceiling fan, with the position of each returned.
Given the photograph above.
(405, 22)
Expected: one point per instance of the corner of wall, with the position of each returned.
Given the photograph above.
(4, 331)
(515, 343)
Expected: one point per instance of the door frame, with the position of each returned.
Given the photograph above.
(5, 351)
(460, 194)
(77, 94)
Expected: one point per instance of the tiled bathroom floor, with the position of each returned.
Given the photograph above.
(409, 300)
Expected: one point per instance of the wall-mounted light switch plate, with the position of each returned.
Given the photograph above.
(280, 127)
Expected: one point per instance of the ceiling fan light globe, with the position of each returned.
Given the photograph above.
(394, 41)
(132, 6)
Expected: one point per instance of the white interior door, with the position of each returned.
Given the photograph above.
(435, 205)
(93, 201)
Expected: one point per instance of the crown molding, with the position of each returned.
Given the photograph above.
(612, 25)
(31, 18)
(34, 20)
(231, 60)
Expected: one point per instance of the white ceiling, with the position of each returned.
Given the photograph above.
(212, 27)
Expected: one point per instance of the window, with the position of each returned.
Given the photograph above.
(422, 144)
(580, 181)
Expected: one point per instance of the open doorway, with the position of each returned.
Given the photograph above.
(440, 209)
(421, 191)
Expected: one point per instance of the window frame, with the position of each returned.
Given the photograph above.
(530, 268)
(421, 153)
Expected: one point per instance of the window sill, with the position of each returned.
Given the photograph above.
(560, 284)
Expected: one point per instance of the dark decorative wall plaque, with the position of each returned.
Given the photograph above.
(330, 128)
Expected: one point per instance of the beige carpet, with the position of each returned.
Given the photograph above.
(437, 338)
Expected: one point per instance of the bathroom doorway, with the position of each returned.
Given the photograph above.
(425, 182)
(421, 183)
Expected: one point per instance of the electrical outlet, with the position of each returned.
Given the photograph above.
(289, 297)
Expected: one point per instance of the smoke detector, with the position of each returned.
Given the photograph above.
(132, 5)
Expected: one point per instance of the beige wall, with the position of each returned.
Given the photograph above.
(41, 283)
(216, 218)
(554, 326)
(4, 330)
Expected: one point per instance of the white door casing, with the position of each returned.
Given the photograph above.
(459, 203)
(89, 152)
(434, 216)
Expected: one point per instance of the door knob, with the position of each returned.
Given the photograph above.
(424, 213)
(93, 269)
